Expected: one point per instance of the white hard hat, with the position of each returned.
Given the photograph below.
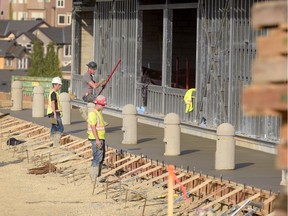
(56, 80)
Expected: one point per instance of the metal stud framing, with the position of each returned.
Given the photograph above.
(225, 50)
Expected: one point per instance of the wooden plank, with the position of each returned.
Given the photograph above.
(122, 160)
(258, 99)
(111, 172)
(134, 171)
(164, 175)
(71, 157)
(270, 70)
(250, 198)
(198, 187)
(67, 145)
(15, 127)
(187, 181)
(231, 193)
(150, 171)
(275, 44)
(27, 131)
(269, 14)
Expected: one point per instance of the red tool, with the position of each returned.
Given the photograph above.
(110, 75)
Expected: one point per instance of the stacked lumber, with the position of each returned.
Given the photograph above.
(267, 94)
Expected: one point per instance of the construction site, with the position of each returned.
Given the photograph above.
(225, 155)
(136, 183)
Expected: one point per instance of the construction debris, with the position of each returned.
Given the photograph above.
(47, 168)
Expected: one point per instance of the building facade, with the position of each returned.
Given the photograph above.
(56, 13)
(201, 44)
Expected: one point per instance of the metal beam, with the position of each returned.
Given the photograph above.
(168, 6)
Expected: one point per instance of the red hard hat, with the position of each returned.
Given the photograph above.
(101, 100)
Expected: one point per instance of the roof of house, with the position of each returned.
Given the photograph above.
(19, 26)
(11, 49)
(58, 35)
(30, 35)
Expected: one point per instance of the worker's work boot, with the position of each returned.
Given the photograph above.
(94, 173)
(52, 139)
(84, 112)
(101, 179)
(56, 139)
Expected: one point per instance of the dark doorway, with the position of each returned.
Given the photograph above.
(184, 48)
(152, 44)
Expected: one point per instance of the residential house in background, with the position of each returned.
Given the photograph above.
(11, 29)
(22, 34)
(61, 37)
(15, 55)
(56, 13)
(12, 55)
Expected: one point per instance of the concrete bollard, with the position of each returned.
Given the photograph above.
(66, 108)
(129, 125)
(225, 147)
(16, 96)
(172, 134)
(38, 106)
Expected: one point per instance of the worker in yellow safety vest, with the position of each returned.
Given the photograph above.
(188, 99)
(54, 111)
(96, 135)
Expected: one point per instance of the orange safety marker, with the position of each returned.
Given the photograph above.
(170, 189)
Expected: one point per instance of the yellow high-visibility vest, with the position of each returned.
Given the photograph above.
(49, 107)
(188, 100)
(96, 118)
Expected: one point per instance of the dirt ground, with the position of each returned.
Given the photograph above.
(51, 194)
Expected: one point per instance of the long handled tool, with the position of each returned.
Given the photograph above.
(110, 75)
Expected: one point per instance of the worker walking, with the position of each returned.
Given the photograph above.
(88, 85)
(54, 111)
(96, 135)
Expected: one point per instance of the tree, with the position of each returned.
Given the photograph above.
(37, 66)
(48, 66)
(52, 64)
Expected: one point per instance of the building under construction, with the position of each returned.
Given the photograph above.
(183, 44)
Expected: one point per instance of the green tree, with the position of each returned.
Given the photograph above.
(52, 64)
(37, 58)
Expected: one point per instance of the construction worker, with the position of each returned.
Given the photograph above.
(54, 111)
(96, 135)
(88, 85)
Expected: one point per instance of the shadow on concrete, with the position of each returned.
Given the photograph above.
(133, 149)
(75, 131)
(77, 122)
(189, 151)
(242, 165)
(145, 140)
(112, 129)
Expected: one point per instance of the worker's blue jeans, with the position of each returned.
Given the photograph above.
(57, 127)
(98, 154)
